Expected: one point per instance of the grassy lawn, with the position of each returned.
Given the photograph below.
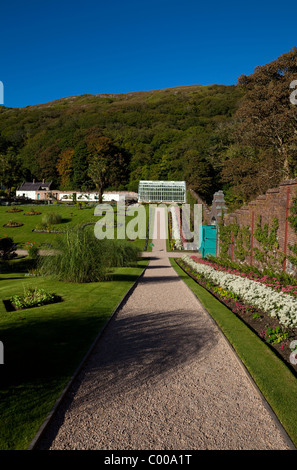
(44, 345)
(276, 382)
(72, 216)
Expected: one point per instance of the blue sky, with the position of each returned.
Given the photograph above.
(50, 50)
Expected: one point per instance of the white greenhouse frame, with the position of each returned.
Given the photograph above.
(162, 191)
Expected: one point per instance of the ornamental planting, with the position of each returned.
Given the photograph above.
(277, 304)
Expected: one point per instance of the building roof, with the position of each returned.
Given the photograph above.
(35, 186)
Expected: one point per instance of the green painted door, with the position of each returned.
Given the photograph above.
(208, 240)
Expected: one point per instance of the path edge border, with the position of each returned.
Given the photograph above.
(59, 400)
(268, 407)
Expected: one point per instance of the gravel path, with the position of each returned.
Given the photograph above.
(163, 377)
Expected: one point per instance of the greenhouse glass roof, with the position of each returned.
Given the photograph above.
(162, 191)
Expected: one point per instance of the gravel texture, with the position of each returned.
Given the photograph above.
(163, 377)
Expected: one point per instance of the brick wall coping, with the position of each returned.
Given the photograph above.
(288, 182)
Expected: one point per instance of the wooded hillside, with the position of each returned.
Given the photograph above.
(237, 138)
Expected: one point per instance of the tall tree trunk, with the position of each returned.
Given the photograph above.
(100, 191)
(286, 166)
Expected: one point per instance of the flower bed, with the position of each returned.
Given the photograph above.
(245, 271)
(13, 224)
(175, 227)
(32, 298)
(257, 305)
(32, 212)
(277, 304)
(13, 210)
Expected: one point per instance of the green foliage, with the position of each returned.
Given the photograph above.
(293, 258)
(225, 235)
(293, 215)
(80, 257)
(10, 169)
(7, 248)
(233, 200)
(266, 236)
(243, 243)
(293, 222)
(275, 335)
(256, 315)
(156, 129)
(120, 253)
(32, 297)
(51, 218)
(33, 250)
(239, 237)
(80, 178)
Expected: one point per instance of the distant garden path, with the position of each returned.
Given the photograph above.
(162, 377)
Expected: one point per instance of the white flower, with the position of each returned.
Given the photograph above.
(176, 229)
(275, 304)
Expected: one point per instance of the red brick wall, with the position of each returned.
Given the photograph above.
(274, 203)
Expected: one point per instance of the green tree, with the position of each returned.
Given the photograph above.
(248, 172)
(64, 168)
(108, 165)
(80, 178)
(266, 117)
(200, 174)
(47, 161)
(10, 170)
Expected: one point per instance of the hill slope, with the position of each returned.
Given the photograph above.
(176, 133)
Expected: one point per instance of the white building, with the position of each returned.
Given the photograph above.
(34, 190)
(41, 191)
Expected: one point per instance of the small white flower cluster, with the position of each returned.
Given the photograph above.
(176, 229)
(275, 304)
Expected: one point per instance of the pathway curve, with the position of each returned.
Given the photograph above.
(163, 377)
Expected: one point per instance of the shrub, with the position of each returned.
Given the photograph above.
(81, 257)
(120, 253)
(7, 248)
(33, 250)
(51, 219)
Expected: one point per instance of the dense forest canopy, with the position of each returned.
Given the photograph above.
(240, 138)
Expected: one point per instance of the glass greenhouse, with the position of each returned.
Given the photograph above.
(162, 191)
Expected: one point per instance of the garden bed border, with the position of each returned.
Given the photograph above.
(271, 347)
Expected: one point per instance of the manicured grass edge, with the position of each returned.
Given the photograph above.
(51, 414)
(275, 383)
